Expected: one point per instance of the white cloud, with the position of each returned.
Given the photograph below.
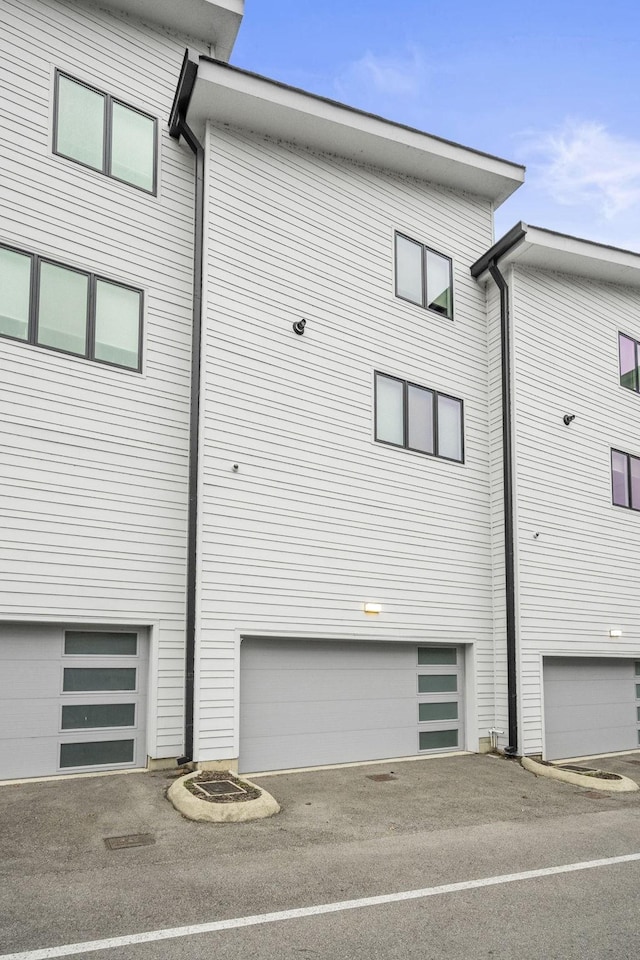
(373, 77)
(581, 163)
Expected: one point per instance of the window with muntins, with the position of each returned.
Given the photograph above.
(100, 132)
(69, 310)
(625, 480)
(423, 276)
(628, 353)
(417, 418)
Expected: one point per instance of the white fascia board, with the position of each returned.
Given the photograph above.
(546, 250)
(215, 21)
(227, 95)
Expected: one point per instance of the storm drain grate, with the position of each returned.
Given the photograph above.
(132, 840)
(218, 788)
(594, 795)
(381, 777)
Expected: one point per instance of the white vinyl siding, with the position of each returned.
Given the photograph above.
(319, 517)
(94, 464)
(580, 576)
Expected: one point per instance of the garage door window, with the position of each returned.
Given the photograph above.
(98, 678)
(438, 739)
(437, 684)
(89, 715)
(78, 643)
(95, 754)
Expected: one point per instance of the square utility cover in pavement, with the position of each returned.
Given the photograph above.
(132, 840)
(218, 788)
(381, 777)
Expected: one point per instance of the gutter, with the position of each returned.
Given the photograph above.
(489, 262)
(178, 127)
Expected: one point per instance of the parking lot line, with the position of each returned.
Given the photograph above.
(174, 933)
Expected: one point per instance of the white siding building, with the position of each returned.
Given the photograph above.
(253, 371)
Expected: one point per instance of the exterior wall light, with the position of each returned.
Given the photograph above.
(615, 633)
(373, 608)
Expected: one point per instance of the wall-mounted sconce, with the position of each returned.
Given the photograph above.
(299, 325)
(373, 608)
(615, 633)
(568, 418)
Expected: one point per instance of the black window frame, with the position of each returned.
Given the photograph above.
(629, 457)
(405, 417)
(107, 133)
(636, 388)
(93, 278)
(425, 249)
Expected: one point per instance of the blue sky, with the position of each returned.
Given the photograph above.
(553, 85)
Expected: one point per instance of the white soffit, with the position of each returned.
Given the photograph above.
(545, 250)
(231, 96)
(215, 21)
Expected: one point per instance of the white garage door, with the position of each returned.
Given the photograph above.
(590, 706)
(71, 700)
(309, 703)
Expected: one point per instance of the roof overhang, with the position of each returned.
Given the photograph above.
(228, 95)
(543, 249)
(215, 21)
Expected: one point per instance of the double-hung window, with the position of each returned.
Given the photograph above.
(100, 132)
(418, 418)
(423, 276)
(70, 310)
(629, 355)
(625, 480)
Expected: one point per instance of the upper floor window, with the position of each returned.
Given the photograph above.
(98, 131)
(628, 354)
(625, 480)
(417, 418)
(423, 276)
(66, 309)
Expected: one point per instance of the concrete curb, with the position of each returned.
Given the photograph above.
(194, 808)
(623, 785)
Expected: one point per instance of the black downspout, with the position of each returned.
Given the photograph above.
(183, 129)
(507, 476)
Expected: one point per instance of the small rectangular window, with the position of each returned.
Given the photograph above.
(436, 683)
(88, 715)
(437, 655)
(620, 478)
(438, 739)
(100, 644)
(98, 131)
(430, 712)
(389, 409)
(423, 276)
(63, 308)
(117, 324)
(15, 293)
(628, 356)
(420, 419)
(96, 754)
(77, 679)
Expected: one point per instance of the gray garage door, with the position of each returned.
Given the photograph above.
(309, 703)
(590, 706)
(71, 700)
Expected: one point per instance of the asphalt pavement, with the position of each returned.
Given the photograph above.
(341, 837)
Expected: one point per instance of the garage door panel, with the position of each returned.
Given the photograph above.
(586, 716)
(34, 718)
(326, 654)
(602, 740)
(27, 680)
(576, 669)
(268, 685)
(326, 714)
(29, 757)
(327, 748)
(594, 691)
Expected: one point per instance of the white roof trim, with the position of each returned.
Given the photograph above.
(227, 95)
(546, 250)
(215, 21)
